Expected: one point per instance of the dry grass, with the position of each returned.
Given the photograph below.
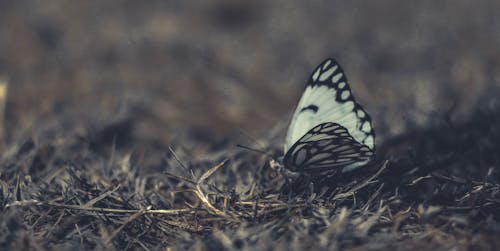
(121, 125)
(442, 194)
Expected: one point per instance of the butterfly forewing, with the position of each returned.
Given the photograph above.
(329, 132)
(328, 98)
(325, 150)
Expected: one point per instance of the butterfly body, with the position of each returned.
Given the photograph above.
(329, 131)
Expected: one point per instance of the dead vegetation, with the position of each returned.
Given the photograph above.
(440, 193)
(118, 127)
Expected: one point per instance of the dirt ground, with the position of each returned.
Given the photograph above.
(122, 120)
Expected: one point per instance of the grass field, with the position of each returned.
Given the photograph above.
(120, 122)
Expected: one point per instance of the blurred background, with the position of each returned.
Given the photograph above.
(216, 68)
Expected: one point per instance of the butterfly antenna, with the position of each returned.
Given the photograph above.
(253, 139)
(255, 150)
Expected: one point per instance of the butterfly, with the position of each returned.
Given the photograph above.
(329, 131)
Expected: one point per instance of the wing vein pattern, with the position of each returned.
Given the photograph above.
(329, 129)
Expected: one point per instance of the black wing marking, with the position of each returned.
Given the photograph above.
(325, 150)
(328, 98)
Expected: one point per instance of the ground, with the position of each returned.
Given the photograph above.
(122, 120)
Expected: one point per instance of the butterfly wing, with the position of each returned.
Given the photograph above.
(326, 149)
(328, 98)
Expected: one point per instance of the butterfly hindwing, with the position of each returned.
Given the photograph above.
(325, 150)
(328, 98)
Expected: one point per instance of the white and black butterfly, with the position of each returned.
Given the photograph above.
(329, 131)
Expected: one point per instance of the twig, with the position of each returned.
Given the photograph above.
(210, 171)
(207, 203)
(365, 226)
(171, 175)
(199, 192)
(180, 162)
(461, 180)
(417, 180)
(56, 223)
(130, 219)
(372, 197)
(363, 184)
(100, 197)
(28, 203)
(186, 226)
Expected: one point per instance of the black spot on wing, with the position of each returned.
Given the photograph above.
(343, 92)
(313, 108)
(331, 75)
